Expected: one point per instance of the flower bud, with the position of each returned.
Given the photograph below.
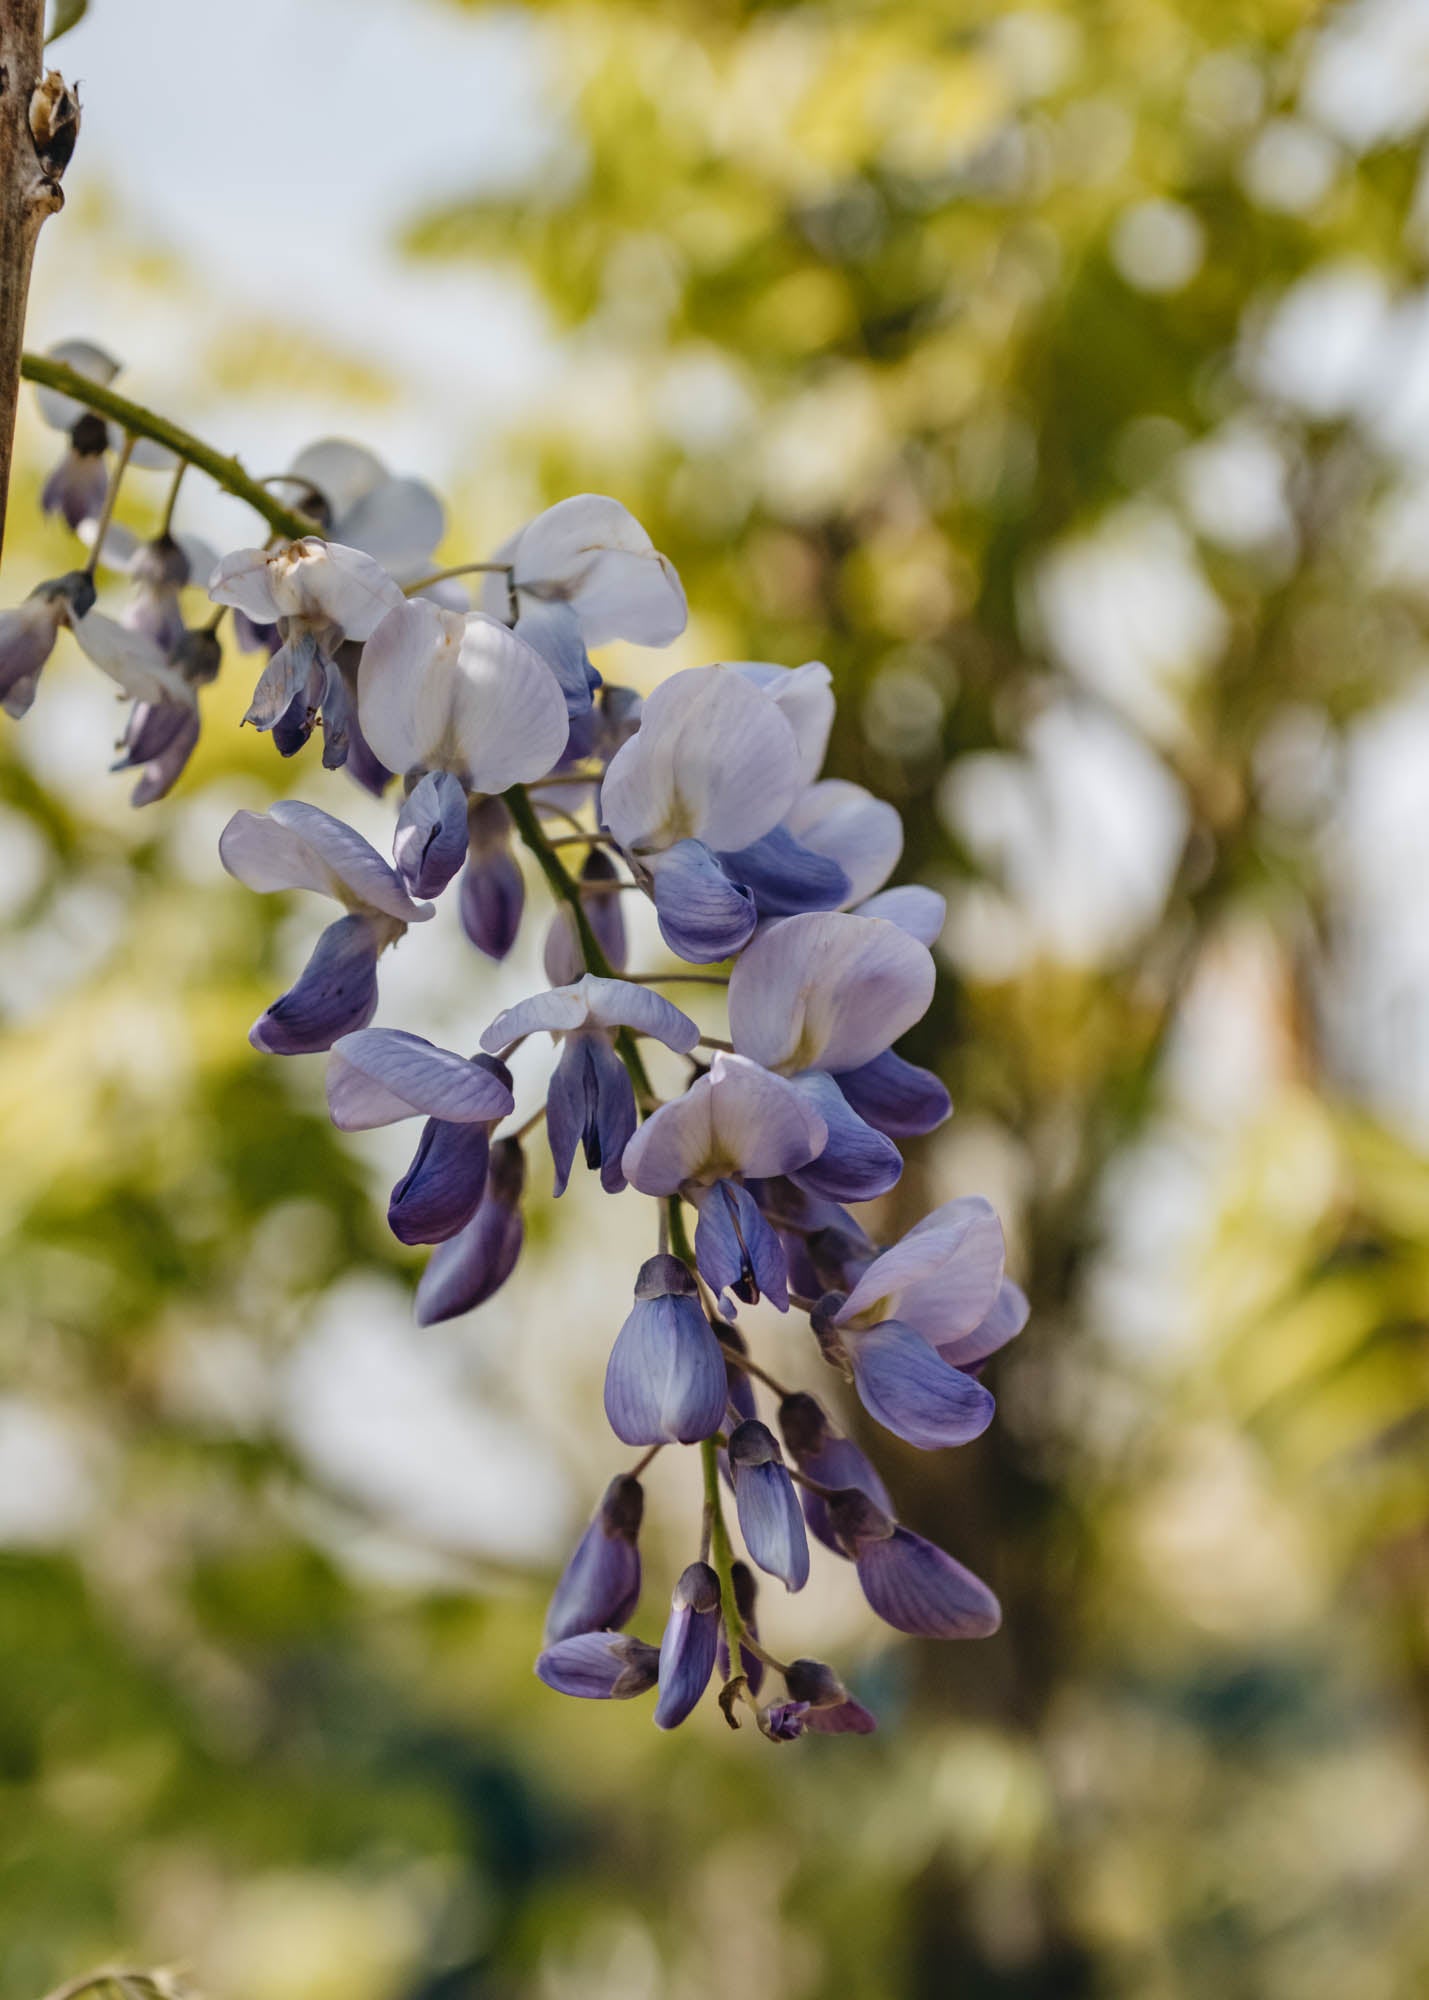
(785, 1721)
(599, 1666)
(813, 1682)
(687, 1651)
(769, 1516)
(463, 1272)
(831, 1709)
(600, 1586)
(820, 1453)
(28, 634)
(430, 843)
(665, 1382)
(493, 893)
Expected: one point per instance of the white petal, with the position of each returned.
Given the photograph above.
(806, 697)
(379, 1075)
(591, 553)
(245, 580)
(132, 660)
(442, 692)
(62, 412)
(842, 821)
(597, 1003)
(919, 911)
(738, 1119)
(350, 588)
(298, 846)
(673, 1145)
(942, 1278)
(558, 1011)
(827, 991)
(760, 1124)
(618, 1003)
(320, 582)
(398, 523)
(342, 472)
(714, 759)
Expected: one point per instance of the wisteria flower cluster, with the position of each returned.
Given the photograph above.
(490, 723)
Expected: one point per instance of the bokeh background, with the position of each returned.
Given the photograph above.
(1060, 376)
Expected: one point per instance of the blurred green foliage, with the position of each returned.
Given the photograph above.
(859, 322)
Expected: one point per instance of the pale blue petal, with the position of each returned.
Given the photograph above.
(912, 1391)
(919, 1589)
(384, 1074)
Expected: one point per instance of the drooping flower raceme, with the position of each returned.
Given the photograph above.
(492, 726)
(708, 799)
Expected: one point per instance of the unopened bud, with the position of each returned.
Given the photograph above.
(854, 1518)
(623, 1508)
(813, 1682)
(661, 1276)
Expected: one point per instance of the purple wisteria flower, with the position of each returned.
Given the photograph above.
(76, 486)
(830, 1460)
(689, 1645)
(600, 1666)
(28, 634)
(318, 594)
(768, 1506)
(600, 1586)
(928, 1293)
(831, 1710)
(713, 766)
(296, 846)
(355, 500)
(379, 1076)
(665, 1381)
(456, 691)
(738, 1119)
(783, 875)
(493, 890)
(581, 574)
(158, 740)
(468, 1268)
(430, 843)
(563, 955)
(817, 995)
(591, 1100)
(912, 1584)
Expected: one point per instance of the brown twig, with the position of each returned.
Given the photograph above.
(39, 118)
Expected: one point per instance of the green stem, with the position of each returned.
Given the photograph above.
(565, 888)
(466, 569)
(175, 483)
(722, 1555)
(139, 422)
(679, 1235)
(111, 495)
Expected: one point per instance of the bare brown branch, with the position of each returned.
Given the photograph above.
(39, 119)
